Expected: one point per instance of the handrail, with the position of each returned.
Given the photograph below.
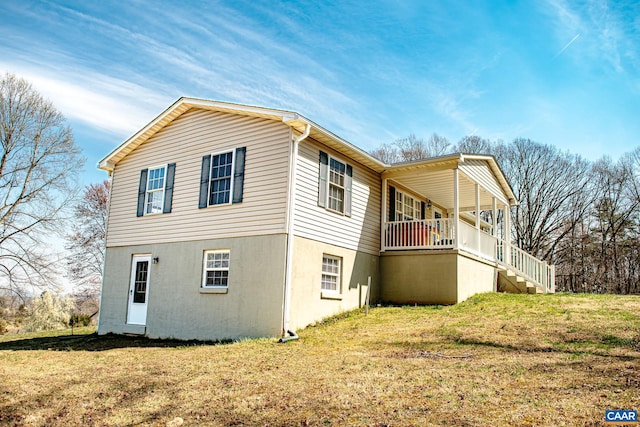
(419, 234)
(536, 271)
(439, 234)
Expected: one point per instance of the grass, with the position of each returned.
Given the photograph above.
(496, 359)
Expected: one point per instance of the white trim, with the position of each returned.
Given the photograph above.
(338, 275)
(233, 166)
(203, 284)
(147, 191)
(135, 259)
(329, 183)
(330, 295)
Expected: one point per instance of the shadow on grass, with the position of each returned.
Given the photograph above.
(556, 348)
(95, 342)
(553, 348)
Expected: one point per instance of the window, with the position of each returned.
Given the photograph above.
(331, 273)
(336, 185)
(216, 269)
(155, 192)
(222, 178)
(407, 208)
(335, 182)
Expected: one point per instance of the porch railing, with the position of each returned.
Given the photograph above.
(419, 234)
(540, 273)
(439, 234)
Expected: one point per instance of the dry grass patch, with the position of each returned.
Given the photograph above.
(496, 359)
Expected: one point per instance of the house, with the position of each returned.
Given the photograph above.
(230, 221)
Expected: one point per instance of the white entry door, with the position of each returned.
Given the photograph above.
(139, 290)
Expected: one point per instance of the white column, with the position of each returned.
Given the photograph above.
(507, 234)
(478, 247)
(456, 211)
(383, 215)
(495, 217)
(494, 225)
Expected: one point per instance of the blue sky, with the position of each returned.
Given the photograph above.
(558, 72)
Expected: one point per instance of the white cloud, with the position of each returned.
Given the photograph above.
(116, 106)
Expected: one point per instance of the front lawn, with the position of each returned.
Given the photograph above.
(497, 359)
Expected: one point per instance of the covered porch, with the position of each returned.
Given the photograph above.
(458, 203)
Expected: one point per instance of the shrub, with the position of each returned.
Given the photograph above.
(48, 311)
(79, 319)
(3, 327)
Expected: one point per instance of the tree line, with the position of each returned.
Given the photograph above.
(580, 215)
(583, 216)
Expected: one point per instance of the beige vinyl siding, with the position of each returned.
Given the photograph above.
(194, 134)
(361, 231)
(480, 172)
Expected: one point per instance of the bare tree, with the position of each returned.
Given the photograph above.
(412, 148)
(387, 153)
(86, 243)
(473, 144)
(38, 165)
(551, 188)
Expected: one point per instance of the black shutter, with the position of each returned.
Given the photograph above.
(348, 182)
(204, 181)
(392, 204)
(322, 179)
(168, 188)
(142, 190)
(238, 174)
(423, 210)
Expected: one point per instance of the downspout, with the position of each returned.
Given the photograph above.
(292, 204)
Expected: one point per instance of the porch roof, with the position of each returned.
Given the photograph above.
(433, 180)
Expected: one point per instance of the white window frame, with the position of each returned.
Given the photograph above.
(233, 167)
(205, 269)
(337, 276)
(331, 183)
(157, 190)
(414, 206)
(437, 211)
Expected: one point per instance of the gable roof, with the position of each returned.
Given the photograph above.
(298, 123)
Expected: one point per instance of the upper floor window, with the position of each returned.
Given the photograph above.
(336, 185)
(222, 178)
(155, 192)
(335, 182)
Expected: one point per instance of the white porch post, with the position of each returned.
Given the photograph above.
(383, 214)
(478, 247)
(456, 211)
(506, 235)
(494, 229)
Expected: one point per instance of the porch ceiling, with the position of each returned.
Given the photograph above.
(437, 186)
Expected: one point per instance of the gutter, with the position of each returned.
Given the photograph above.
(292, 203)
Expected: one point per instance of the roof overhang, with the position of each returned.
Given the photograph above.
(433, 178)
(298, 123)
(290, 118)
